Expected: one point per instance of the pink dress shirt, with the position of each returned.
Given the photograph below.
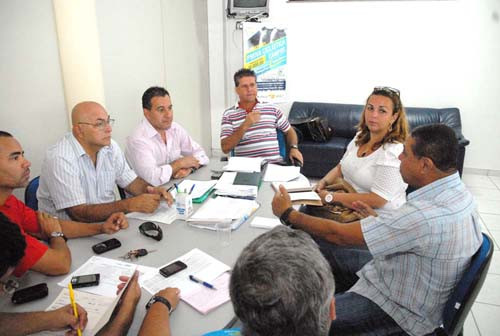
(150, 158)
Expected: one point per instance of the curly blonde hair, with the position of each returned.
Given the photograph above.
(399, 130)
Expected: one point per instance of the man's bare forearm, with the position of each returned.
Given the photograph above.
(24, 323)
(91, 213)
(228, 143)
(72, 229)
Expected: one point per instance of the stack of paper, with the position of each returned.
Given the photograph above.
(223, 209)
(281, 173)
(243, 164)
(225, 187)
(293, 186)
(310, 198)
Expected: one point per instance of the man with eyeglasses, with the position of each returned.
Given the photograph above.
(55, 258)
(12, 324)
(159, 148)
(80, 172)
(394, 272)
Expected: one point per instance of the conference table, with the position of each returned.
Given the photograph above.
(178, 239)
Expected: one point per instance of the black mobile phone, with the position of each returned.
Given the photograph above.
(106, 245)
(29, 294)
(172, 268)
(85, 280)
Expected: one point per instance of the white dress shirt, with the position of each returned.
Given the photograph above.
(150, 157)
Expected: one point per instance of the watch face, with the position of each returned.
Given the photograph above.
(329, 198)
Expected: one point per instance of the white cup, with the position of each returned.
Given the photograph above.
(224, 232)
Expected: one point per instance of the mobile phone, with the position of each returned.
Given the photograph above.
(106, 245)
(29, 294)
(172, 268)
(85, 280)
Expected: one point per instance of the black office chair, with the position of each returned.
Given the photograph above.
(460, 302)
(30, 193)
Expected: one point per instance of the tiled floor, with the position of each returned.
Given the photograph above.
(486, 310)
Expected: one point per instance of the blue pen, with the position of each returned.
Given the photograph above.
(206, 284)
(190, 191)
(176, 188)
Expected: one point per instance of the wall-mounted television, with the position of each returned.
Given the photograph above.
(247, 8)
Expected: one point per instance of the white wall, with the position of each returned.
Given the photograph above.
(438, 53)
(32, 105)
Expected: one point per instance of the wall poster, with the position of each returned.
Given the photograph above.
(265, 52)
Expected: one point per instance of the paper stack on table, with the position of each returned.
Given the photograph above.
(281, 173)
(164, 214)
(243, 164)
(225, 187)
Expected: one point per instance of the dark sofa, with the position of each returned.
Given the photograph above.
(319, 158)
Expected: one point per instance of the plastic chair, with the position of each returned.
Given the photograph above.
(30, 193)
(460, 302)
(281, 144)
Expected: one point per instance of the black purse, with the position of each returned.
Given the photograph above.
(312, 128)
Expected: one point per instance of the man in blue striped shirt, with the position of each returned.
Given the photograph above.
(80, 172)
(395, 272)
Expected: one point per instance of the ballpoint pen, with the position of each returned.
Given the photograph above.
(73, 304)
(192, 187)
(206, 284)
(176, 188)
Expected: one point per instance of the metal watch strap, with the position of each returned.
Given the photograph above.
(294, 146)
(56, 234)
(284, 216)
(161, 299)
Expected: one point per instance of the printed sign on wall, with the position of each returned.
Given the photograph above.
(265, 52)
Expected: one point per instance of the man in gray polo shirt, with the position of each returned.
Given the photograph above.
(80, 172)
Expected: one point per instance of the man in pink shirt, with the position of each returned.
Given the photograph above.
(159, 148)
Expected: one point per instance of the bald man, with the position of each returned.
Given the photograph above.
(80, 172)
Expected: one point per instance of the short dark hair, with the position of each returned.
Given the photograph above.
(154, 91)
(282, 285)
(437, 142)
(13, 244)
(243, 73)
(5, 134)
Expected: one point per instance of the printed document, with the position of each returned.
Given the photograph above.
(205, 299)
(281, 173)
(243, 164)
(164, 214)
(199, 264)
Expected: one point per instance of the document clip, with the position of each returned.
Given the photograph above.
(150, 229)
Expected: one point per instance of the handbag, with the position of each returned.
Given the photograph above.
(312, 128)
(336, 211)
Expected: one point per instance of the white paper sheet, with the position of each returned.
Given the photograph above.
(265, 223)
(281, 173)
(205, 299)
(164, 214)
(306, 195)
(110, 271)
(293, 186)
(200, 187)
(199, 264)
(243, 164)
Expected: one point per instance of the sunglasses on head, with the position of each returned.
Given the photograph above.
(386, 89)
(150, 229)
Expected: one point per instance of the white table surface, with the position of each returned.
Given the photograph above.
(178, 238)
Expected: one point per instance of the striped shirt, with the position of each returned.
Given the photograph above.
(419, 253)
(261, 139)
(69, 177)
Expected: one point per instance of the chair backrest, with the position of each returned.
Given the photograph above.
(281, 144)
(460, 302)
(121, 191)
(30, 193)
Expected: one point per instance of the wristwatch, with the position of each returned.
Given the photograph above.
(329, 198)
(157, 298)
(56, 234)
(284, 216)
(294, 146)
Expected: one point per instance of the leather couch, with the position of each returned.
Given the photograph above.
(319, 158)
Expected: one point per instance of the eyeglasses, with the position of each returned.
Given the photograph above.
(101, 123)
(387, 89)
(9, 286)
(150, 229)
